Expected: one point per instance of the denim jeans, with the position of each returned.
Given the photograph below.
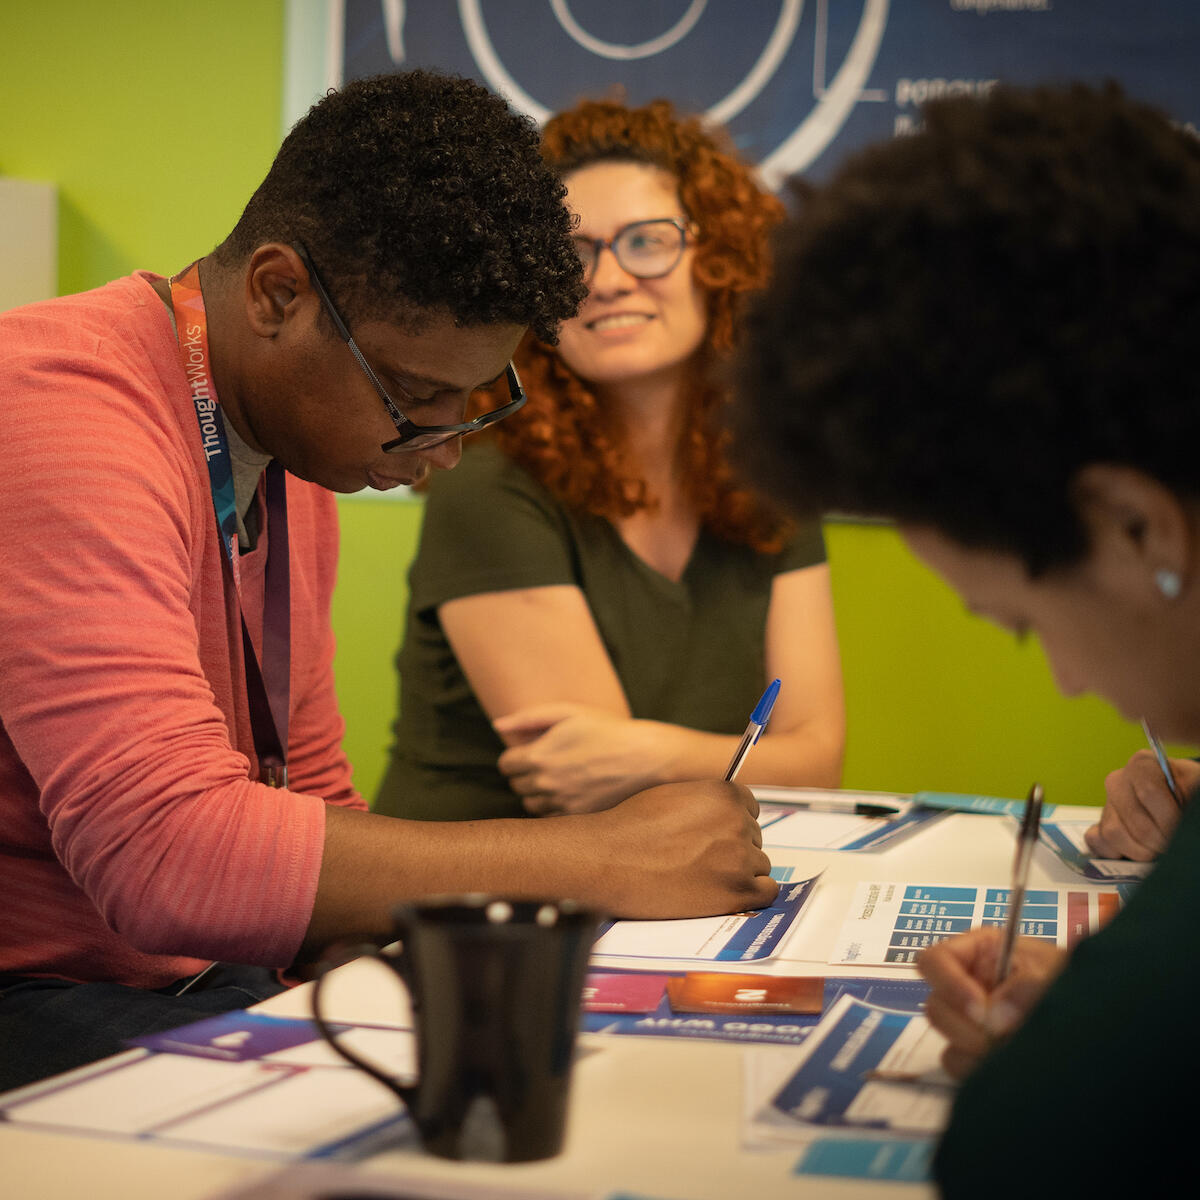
(53, 1025)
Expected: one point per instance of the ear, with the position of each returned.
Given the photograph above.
(275, 281)
(1139, 530)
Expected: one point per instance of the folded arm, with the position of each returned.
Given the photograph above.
(556, 699)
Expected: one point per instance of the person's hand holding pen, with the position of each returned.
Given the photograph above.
(966, 1004)
(984, 982)
(1144, 801)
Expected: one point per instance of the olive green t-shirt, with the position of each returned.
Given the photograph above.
(690, 653)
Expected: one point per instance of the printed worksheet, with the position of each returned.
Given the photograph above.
(239, 1083)
(890, 923)
(834, 1079)
(739, 937)
(786, 826)
(1065, 838)
(239, 1107)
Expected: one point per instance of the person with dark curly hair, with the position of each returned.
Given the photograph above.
(177, 819)
(986, 332)
(645, 594)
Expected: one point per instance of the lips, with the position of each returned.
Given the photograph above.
(616, 321)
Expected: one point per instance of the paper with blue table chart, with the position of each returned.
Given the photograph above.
(889, 923)
(824, 1087)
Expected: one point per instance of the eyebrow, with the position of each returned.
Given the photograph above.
(441, 385)
(683, 217)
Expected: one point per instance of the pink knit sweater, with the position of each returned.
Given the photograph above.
(133, 845)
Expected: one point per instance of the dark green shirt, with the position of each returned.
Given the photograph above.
(689, 653)
(1095, 1093)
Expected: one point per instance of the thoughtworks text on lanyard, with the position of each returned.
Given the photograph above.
(268, 682)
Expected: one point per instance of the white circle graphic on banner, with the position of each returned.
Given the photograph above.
(603, 49)
(832, 104)
(825, 121)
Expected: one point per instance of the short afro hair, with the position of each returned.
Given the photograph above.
(419, 191)
(963, 319)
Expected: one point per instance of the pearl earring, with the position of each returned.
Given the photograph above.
(1168, 582)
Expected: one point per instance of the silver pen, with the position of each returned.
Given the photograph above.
(1163, 764)
(1026, 840)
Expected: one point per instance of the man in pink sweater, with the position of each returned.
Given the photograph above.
(172, 790)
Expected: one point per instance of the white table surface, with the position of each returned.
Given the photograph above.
(655, 1117)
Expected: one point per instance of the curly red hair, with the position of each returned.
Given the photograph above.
(568, 441)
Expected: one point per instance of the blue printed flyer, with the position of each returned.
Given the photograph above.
(664, 1004)
(864, 1069)
(735, 938)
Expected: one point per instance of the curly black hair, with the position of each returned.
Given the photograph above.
(419, 191)
(964, 318)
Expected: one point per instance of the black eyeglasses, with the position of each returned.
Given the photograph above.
(412, 436)
(644, 249)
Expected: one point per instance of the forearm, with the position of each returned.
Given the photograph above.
(810, 756)
(373, 862)
(684, 851)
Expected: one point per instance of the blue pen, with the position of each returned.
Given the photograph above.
(758, 722)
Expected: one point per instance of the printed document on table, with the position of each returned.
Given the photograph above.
(889, 923)
(739, 937)
(825, 819)
(1065, 838)
(239, 1082)
(326, 1181)
(240, 1107)
(826, 1085)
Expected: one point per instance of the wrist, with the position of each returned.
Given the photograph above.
(669, 755)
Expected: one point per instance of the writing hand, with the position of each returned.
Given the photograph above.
(681, 850)
(965, 1005)
(1140, 814)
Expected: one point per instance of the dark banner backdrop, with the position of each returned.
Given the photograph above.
(797, 82)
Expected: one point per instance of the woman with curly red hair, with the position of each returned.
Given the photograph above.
(598, 601)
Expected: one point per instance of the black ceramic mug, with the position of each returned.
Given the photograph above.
(495, 986)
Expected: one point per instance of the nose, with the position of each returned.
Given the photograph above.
(445, 456)
(609, 278)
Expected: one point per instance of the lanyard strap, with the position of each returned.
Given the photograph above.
(268, 684)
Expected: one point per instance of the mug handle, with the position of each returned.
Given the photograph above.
(406, 1092)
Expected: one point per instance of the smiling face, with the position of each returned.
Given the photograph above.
(630, 329)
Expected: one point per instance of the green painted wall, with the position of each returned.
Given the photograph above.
(158, 119)
(935, 698)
